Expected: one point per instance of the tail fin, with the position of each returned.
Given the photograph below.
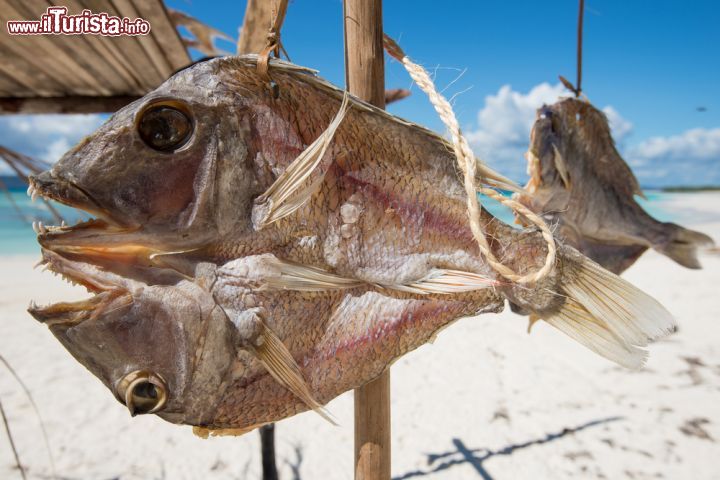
(683, 245)
(609, 315)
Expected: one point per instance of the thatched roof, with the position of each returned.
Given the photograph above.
(85, 73)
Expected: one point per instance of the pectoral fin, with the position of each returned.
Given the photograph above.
(295, 276)
(444, 281)
(561, 167)
(293, 188)
(276, 358)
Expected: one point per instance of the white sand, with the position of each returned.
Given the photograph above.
(525, 406)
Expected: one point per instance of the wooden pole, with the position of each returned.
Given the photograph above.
(254, 30)
(365, 78)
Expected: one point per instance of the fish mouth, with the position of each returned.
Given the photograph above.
(107, 290)
(95, 237)
(105, 238)
(544, 132)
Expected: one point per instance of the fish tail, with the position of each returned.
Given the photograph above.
(607, 314)
(683, 245)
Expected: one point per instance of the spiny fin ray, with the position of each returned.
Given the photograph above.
(292, 189)
(295, 276)
(561, 167)
(445, 281)
(276, 358)
(298, 277)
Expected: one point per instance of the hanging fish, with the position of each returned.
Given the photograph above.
(259, 250)
(579, 182)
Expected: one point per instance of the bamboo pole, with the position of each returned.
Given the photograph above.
(365, 78)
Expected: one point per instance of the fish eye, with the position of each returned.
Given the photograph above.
(165, 127)
(142, 392)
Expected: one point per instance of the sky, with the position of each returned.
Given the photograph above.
(652, 66)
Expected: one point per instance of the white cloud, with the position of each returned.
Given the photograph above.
(45, 136)
(503, 129)
(697, 143)
(53, 124)
(504, 123)
(503, 133)
(56, 150)
(690, 158)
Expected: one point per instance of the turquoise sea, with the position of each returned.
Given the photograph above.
(17, 236)
(16, 233)
(653, 205)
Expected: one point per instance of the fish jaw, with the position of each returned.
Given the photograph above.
(95, 241)
(105, 238)
(176, 333)
(108, 291)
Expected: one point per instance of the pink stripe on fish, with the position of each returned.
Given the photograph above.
(417, 211)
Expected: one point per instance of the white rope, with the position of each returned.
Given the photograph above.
(468, 165)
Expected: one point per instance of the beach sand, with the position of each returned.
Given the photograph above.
(484, 401)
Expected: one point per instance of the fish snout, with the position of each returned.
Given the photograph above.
(58, 189)
(545, 112)
(50, 185)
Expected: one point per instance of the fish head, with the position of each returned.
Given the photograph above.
(159, 349)
(566, 135)
(171, 171)
(545, 132)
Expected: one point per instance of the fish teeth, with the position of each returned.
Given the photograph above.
(63, 224)
(42, 228)
(32, 192)
(35, 227)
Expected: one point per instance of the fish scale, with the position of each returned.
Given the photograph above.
(266, 316)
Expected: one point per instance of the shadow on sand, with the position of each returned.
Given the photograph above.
(297, 463)
(476, 457)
